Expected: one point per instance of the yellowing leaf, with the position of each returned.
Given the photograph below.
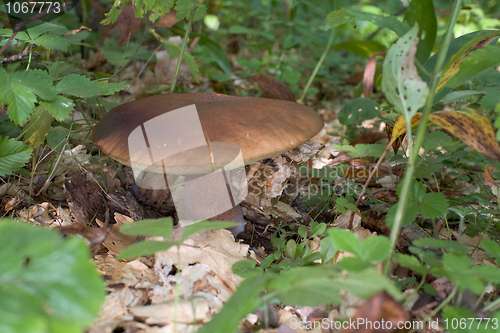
(472, 127)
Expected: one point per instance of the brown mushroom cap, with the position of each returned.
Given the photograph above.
(260, 127)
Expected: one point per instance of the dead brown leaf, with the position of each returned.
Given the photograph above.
(369, 74)
(380, 307)
(273, 88)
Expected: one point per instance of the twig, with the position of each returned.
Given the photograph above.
(20, 56)
(20, 26)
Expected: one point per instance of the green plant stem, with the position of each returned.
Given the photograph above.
(410, 170)
(184, 44)
(318, 65)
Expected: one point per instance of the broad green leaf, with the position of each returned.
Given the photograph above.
(434, 205)
(336, 18)
(460, 320)
(422, 12)
(216, 52)
(327, 249)
(79, 86)
(400, 82)
(458, 267)
(20, 98)
(364, 48)
(154, 227)
(160, 8)
(8, 128)
(13, 155)
(47, 27)
(246, 268)
(145, 248)
(390, 22)
(346, 241)
(37, 128)
(354, 264)
(60, 108)
(342, 205)
(410, 214)
(192, 66)
(49, 284)
(492, 248)
(490, 273)
(460, 48)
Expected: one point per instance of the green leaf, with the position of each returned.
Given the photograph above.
(364, 48)
(410, 262)
(492, 248)
(203, 226)
(411, 212)
(20, 98)
(109, 88)
(342, 205)
(302, 231)
(154, 227)
(57, 136)
(39, 81)
(185, 7)
(458, 267)
(375, 248)
(461, 320)
(459, 48)
(13, 155)
(192, 66)
(239, 30)
(51, 42)
(113, 13)
(216, 52)
(327, 249)
(434, 205)
(390, 22)
(367, 283)
(354, 264)
(49, 284)
(400, 82)
(346, 241)
(447, 245)
(246, 268)
(422, 12)
(318, 230)
(160, 8)
(358, 108)
(336, 18)
(60, 108)
(490, 273)
(37, 128)
(145, 248)
(79, 86)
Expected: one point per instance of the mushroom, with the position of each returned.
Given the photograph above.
(199, 144)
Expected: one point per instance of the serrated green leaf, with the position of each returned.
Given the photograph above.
(160, 8)
(37, 127)
(51, 42)
(400, 82)
(410, 262)
(109, 88)
(342, 205)
(20, 98)
(346, 241)
(434, 205)
(47, 27)
(47, 281)
(13, 155)
(490, 273)
(336, 18)
(185, 7)
(375, 248)
(39, 81)
(154, 227)
(79, 86)
(113, 13)
(60, 108)
(367, 283)
(192, 66)
(411, 212)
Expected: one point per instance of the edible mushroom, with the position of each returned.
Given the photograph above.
(203, 138)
